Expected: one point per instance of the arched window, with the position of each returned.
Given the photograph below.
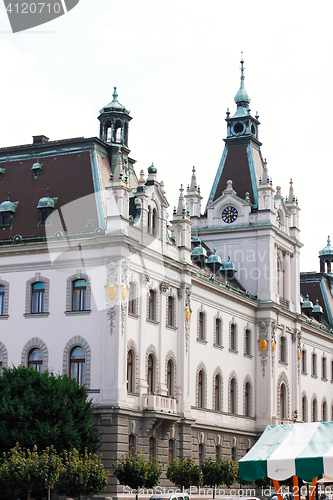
(171, 311)
(131, 445)
(2, 300)
(201, 320)
(79, 295)
(170, 377)
(77, 368)
(35, 360)
(304, 409)
(130, 371)
(232, 395)
(314, 410)
(118, 131)
(233, 340)
(324, 411)
(218, 332)
(152, 305)
(248, 342)
(132, 298)
(283, 356)
(247, 399)
(150, 375)
(283, 401)
(217, 392)
(152, 449)
(37, 298)
(201, 381)
(304, 361)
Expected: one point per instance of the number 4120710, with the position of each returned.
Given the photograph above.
(34, 8)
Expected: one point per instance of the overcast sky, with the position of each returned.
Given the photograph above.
(176, 67)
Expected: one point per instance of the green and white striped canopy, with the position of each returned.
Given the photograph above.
(303, 450)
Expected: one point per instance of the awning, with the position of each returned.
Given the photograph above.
(303, 450)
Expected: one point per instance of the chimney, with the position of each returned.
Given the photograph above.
(40, 139)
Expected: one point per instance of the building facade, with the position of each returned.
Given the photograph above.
(191, 334)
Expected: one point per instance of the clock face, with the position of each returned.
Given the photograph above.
(229, 214)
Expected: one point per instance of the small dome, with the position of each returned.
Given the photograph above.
(242, 95)
(229, 266)
(152, 169)
(199, 251)
(46, 202)
(8, 206)
(307, 304)
(114, 104)
(36, 166)
(317, 308)
(214, 258)
(328, 250)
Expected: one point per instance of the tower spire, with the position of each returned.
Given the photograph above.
(242, 98)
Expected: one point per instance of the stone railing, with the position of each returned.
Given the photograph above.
(159, 403)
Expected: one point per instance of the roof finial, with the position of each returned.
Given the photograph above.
(242, 98)
(242, 68)
(115, 95)
(8, 196)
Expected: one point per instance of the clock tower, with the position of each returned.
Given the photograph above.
(241, 159)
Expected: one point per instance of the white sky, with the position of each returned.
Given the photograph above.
(176, 66)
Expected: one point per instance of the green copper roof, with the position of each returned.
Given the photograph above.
(114, 104)
(328, 250)
(214, 258)
(229, 266)
(242, 95)
(307, 304)
(46, 201)
(8, 206)
(198, 251)
(152, 169)
(317, 308)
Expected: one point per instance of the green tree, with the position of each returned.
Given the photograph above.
(25, 472)
(44, 410)
(218, 473)
(81, 475)
(185, 473)
(135, 472)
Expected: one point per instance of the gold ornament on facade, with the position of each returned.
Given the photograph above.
(273, 345)
(111, 291)
(299, 354)
(188, 314)
(124, 292)
(263, 344)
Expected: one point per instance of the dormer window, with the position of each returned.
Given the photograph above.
(46, 206)
(36, 170)
(7, 212)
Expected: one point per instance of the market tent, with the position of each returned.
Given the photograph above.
(300, 450)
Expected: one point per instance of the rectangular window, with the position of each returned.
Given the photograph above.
(218, 332)
(314, 365)
(201, 326)
(323, 369)
(233, 337)
(131, 299)
(38, 298)
(171, 311)
(248, 342)
(2, 300)
(152, 305)
(79, 295)
(171, 450)
(152, 449)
